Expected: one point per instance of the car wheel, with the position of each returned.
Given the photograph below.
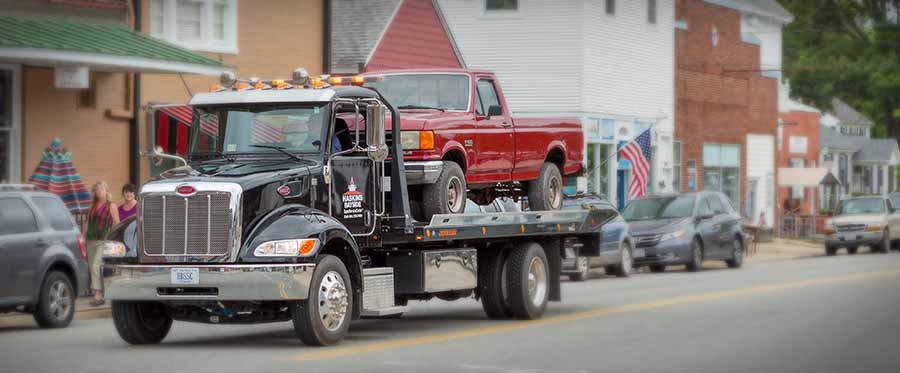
(657, 268)
(56, 306)
(831, 250)
(545, 192)
(626, 261)
(447, 195)
(886, 242)
(324, 318)
(696, 263)
(141, 323)
(850, 250)
(737, 254)
(583, 266)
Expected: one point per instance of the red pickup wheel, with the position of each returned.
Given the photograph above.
(545, 192)
(447, 195)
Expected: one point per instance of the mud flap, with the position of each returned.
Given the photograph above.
(553, 247)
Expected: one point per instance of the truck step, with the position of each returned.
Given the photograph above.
(378, 292)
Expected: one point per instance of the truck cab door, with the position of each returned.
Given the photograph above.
(494, 146)
(354, 192)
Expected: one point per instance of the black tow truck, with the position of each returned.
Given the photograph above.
(292, 204)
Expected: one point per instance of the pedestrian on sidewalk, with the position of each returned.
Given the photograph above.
(129, 202)
(103, 215)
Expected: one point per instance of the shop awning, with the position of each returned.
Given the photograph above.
(52, 42)
(805, 177)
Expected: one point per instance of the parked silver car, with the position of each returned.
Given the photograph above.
(862, 221)
(43, 259)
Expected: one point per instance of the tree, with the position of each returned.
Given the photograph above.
(848, 49)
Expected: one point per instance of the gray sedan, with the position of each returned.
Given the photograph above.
(685, 229)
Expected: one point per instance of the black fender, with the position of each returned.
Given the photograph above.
(298, 221)
(59, 258)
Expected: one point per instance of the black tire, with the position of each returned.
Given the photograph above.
(626, 262)
(737, 254)
(696, 263)
(850, 250)
(447, 195)
(657, 268)
(56, 306)
(583, 264)
(545, 192)
(528, 298)
(330, 277)
(491, 285)
(141, 323)
(831, 250)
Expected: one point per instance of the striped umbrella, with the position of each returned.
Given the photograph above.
(56, 174)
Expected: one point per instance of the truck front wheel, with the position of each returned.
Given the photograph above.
(528, 281)
(141, 323)
(545, 192)
(447, 195)
(324, 317)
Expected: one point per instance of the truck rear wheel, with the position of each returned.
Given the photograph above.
(324, 317)
(141, 323)
(491, 285)
(528, 281)
(545, 192)
(447, 195)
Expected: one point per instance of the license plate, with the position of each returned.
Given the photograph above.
(185, 276)
(638, 253)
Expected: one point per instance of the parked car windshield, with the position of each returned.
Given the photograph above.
(861, 206)
(297, 130)
(414, 91)
(659, 208)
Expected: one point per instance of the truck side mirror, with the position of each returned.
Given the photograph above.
(494, 110)
(375, 133)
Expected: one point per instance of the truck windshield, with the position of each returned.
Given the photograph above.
(424, 91)
(659, 208)
(861, 206)
(240, 130)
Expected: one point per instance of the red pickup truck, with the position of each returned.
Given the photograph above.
(460, 140)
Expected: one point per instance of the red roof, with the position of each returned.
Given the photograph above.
(415, 38)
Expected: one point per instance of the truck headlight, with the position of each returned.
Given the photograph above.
(114, 249)
(417, 140)
(673, 235)
(873, 228)
(304, 247)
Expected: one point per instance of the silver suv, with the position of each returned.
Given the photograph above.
(862, 221)
(43, 258)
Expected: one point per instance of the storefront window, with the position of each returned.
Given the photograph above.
(598, 169)
(721, 170)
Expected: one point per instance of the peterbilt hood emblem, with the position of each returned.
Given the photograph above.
(185, 190)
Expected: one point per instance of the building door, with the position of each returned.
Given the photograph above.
(10, 127)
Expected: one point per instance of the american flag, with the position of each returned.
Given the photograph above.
(638, 153)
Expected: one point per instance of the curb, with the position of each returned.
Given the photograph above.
(26, 319)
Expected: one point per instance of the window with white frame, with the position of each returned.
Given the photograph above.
(676, 166)
(611, 7)
(651, 11)
(501, 5)
(203, 25)
(797, 192)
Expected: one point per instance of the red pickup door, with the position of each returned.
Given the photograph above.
(460, 140)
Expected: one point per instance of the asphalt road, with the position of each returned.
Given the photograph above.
(824, 314)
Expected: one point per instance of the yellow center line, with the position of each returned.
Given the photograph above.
(594, 313)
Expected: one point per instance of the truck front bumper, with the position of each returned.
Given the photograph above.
(233, 282)
(426, 172)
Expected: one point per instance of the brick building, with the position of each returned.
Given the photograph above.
(726, 103)
(798, 147)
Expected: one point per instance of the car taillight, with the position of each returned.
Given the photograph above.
(82, 247)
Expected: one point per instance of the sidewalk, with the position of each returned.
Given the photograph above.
(783, 249)
(83, 311)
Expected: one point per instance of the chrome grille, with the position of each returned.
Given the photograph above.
(850, 227)
(648, 240)
(199, 225)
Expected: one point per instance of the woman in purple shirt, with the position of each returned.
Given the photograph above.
(129, 206)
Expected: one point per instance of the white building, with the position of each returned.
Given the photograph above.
(610, 63)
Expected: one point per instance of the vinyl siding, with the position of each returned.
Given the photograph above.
(761, 166)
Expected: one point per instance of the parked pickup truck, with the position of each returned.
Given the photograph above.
(458, 136)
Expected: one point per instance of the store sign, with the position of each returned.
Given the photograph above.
(72, 77)
(797, 144)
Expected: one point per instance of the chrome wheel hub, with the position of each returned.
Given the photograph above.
(333, 301)
(60, 300)
(554, 192)
(455, 194)
(537, 281)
